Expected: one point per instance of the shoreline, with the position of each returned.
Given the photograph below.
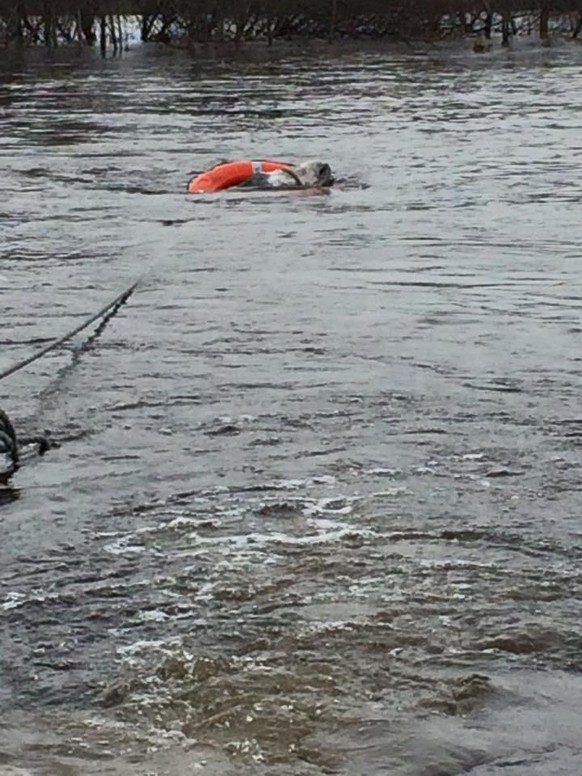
(318, 47)
(257, 51)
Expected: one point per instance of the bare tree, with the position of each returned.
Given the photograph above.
(55, 22)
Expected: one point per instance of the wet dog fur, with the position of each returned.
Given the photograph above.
(306, 175)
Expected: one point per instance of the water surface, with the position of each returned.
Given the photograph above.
(316, 506)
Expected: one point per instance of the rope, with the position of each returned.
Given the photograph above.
(110, 308)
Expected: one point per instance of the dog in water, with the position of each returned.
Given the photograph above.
(306, 175)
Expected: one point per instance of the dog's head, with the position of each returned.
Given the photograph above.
(314, 173)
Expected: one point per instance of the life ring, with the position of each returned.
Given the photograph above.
(228, 174)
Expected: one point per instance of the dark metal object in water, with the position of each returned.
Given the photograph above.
(11, 447)
(8, 448)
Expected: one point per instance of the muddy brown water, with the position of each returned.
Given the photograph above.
(316, 505)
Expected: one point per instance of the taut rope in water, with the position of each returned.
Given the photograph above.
(106, 312)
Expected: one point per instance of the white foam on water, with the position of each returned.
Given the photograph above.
(153, 615)
(122, 547)
(379, 471)
(13, 600)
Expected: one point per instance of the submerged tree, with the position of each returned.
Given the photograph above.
(88, 22)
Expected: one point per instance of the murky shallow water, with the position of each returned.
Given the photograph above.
(316, 506)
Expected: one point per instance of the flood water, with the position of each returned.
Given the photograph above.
(316, 504)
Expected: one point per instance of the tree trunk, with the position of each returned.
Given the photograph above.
(87, 21)
(19, 14)
(505, 29)
(50, 34)
(269, 27)
(544, 22)
(112, 33)
(103, 35)
(333, 21)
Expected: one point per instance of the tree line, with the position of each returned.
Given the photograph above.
(104, 22)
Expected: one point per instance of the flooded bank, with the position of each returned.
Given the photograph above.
(315, 507)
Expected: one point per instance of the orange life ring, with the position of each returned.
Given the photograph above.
(228, 174)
